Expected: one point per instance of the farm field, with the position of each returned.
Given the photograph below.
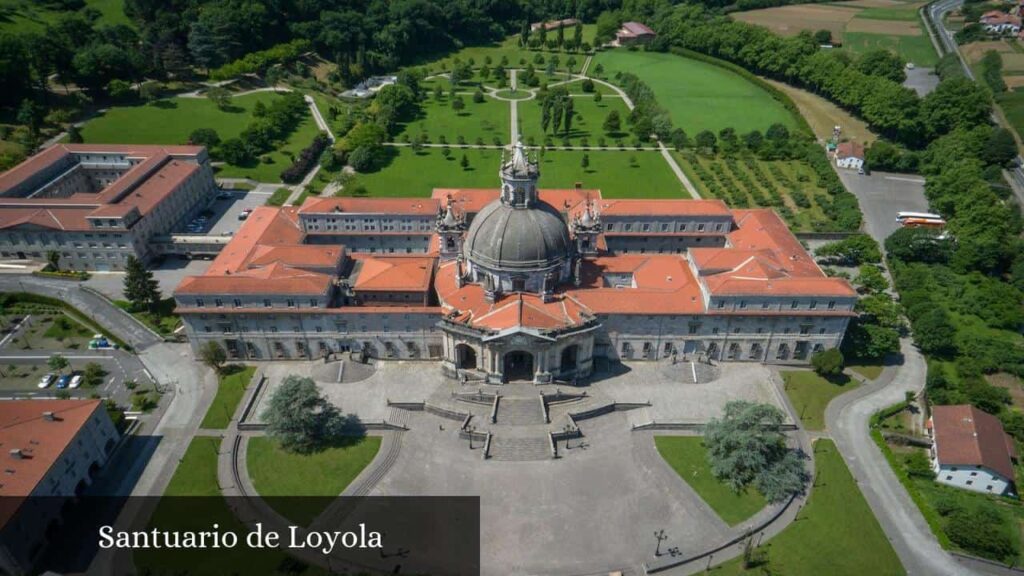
(823, 115)
(486, 120)
(172, 120)
(787, 186)
(860, 26)
(698, 95)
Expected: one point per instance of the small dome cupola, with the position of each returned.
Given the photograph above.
(519, 179)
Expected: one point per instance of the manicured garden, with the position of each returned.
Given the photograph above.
(835, 533)
(699, 96)
(587, 128)
(688, 457)
(412, 173)
(484, 122)
(810, 394)
(173, 120)
(278, 472)
(618, 174)
(509, 50)
(231, 387)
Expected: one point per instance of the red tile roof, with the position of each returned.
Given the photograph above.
(636, 207)
(394, 273)
(396, 206)
(635, 29)
(966, 436)
(42, 441)
(850, 149)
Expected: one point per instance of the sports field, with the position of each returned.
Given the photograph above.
(860, 25)
(698, 95)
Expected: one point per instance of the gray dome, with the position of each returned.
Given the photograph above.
(503, 237)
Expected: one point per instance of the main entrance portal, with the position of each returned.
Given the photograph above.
(518, 366)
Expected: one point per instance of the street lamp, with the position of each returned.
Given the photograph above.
(659, 536)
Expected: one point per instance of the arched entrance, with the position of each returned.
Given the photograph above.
(570, 356)
(518, 365)
(465, 357)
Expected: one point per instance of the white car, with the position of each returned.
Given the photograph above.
(46, 380)
(76, 381)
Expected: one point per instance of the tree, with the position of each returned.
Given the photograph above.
(599, 69)
(458, 104)
(917, 245)
(207, 137)
(140, 288)
(934, 332)
(213, 355)
(823, 36)
(274, 75)
(478, 97)
(53, 259)
(870, 279)
(1000, 148)
(884, 63)
(301, 418)
(612, 122)
(585, 161)
(869, 341)
(706, 141)
(828, 363)
(464, 162)
(93, 373)
(746, 447)
(852, 250)
(57, 363)
(220, 97)
(75, 135)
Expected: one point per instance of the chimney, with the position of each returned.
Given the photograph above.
(49, 417)
(16, 453)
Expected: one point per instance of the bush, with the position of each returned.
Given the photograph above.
(982, 530)
(306, 160)
(828, 363)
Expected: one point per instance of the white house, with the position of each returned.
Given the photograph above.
(850, 155)
(970, 450)
(998, 22)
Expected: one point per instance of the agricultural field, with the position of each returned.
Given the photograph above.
(698, 95)
(859, 26)
(1011, 54)
(172, 120)
(787, 186)
(823, 116)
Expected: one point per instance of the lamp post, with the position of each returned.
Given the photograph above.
(659, 536)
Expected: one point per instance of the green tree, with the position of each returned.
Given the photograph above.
(53, 259)
(220, 97)
(852, 250)
(213, 355)
(870, 279)
(612, 122)
(828, 363)
(934, 332)
(458, 104)
(882, 62)
(92, 374)
(140, 288)
(464, 162)
(75, 135)
(57, 363)
(585, 161)
(706, 141)
(746, 447)
(207, 137)
(301, 418)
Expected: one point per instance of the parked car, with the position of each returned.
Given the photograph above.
(63, 381)
(46, 380)
(243, 215)
(76, 381)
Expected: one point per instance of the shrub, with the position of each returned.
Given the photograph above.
(306, 160)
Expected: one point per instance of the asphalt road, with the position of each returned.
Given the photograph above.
(881, 195)
(100, 310)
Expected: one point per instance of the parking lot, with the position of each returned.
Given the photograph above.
(882, 195)
(20, 373)
(220, 218)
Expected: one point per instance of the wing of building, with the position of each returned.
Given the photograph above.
(97, 204)
(516, 282)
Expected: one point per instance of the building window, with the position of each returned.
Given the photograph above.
(266, 303)
(238, 303)
(218, 302)
(794, 304)
(312, 302)
(200, 303)
(814, 304)
(969, 482)
(291, 303)
(721, 304)
(989, 487)
(832, 305)
(743, 304)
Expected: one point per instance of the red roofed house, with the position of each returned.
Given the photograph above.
(516, 282)
(999, 22)
(633, 33)
(970, 450)
(51, 448)
(850, 155)
(97, 204)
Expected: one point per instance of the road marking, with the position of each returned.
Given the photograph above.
(902, 179)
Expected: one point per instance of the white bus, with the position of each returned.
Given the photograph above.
(901, 216)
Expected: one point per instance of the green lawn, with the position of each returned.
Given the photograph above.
(698, 95)
(869, 371)
(688, 457)
(906, 13)
(486, 120)
(412, 174)
(916, 49)
(195, 477)
(509, 49)
(162, 320)
(613, 173)
(276, 472)
(834, 534)
(588, 120)
(230, 390)
(810, 394)
(1012, 103)
(279, 197)
(172, 120)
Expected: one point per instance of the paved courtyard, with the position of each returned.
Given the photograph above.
(881, 195)
(592, 510)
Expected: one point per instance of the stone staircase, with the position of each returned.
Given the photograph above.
(520, 411)
(520, 448)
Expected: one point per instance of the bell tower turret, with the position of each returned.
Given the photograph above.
(519, 179)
